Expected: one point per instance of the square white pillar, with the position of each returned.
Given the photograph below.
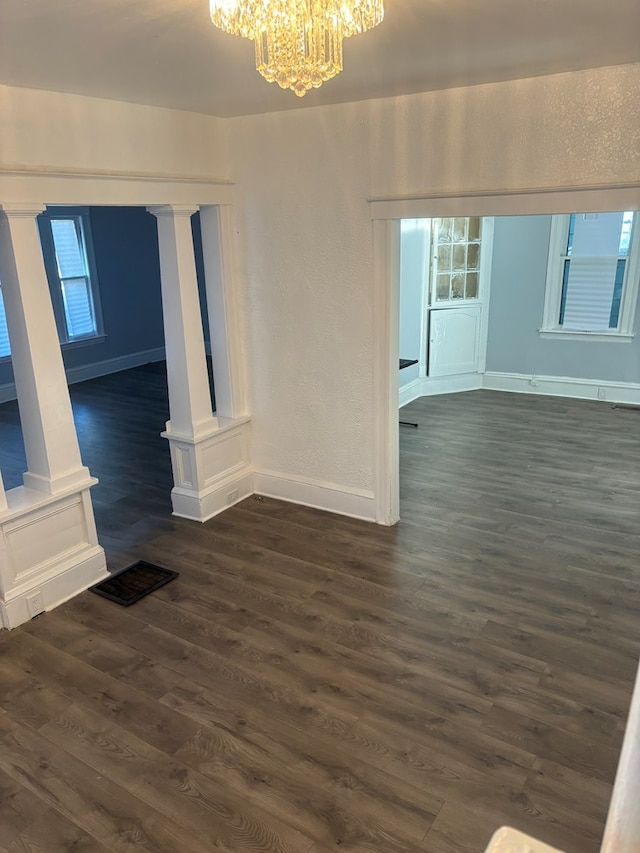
(49, 549)
(218, 251)
(51, 444)
(210, 460)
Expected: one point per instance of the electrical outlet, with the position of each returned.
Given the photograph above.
(602, 393)
(232, 497)
(35, 604)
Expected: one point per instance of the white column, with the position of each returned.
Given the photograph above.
(49, 548)
(51, 444)
(190, 408)
(3, 496)
(210, 460)
(218, 250)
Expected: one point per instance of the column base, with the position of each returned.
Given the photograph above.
(49, 551)
(73, 479)
(210, 472)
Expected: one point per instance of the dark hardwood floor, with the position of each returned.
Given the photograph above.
(313, 683)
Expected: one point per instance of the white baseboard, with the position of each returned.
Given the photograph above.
(410, 392)
(564, 386)
(96, 369)
(69, 578)
(428, 386)
(206, 504)
(319, 495)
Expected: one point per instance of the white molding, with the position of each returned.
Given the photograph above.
(509, 202)
(212, 470)
(52, 171)
(72, 577)
(33, 186)
(356, 503)
(486, 266)
(96, 369)
(564, 386)
(430, 386)
(575, 335)
(411, 391)
(49, 548)
(386, 325)
(214, 499)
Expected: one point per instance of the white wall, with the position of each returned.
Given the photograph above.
(518, 280)
(47, 130)
(303, 180)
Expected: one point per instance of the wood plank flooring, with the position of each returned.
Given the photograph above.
(313, 683)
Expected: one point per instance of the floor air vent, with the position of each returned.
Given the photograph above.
(134, 582)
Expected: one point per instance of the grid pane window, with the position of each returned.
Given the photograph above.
(457, 258)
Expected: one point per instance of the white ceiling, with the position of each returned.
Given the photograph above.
(167, 52)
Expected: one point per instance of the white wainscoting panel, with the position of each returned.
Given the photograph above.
(48, 549)
(212, 471)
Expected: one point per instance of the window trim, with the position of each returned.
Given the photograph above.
(55, 284)
(551, 329)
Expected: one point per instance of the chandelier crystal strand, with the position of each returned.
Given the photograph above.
(298, 43)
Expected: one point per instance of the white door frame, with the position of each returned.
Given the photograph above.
(623, 824)
(386, 214)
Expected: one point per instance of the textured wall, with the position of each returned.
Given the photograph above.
(563, 130)
(51, 130)
(303, 179)
(518, 282)
(305, 239)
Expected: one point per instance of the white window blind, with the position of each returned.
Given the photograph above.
(590, 287)
(74, 277)
(592, 261)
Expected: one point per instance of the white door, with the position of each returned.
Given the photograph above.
(458, 295)
(454, 338)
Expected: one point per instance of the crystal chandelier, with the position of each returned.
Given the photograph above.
(298, 42)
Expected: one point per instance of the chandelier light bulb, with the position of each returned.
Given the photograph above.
(298, 43)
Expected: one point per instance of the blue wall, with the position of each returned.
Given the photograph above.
(518, 281)
(125, 242)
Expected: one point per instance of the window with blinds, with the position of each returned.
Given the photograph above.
(73, 277)
(592, 274)
(66, 250)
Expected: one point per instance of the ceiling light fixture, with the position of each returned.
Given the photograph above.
(298, 42)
